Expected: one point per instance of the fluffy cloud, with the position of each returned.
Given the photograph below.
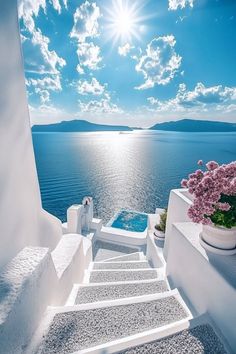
(44, 85)
(175, 4)
(50, 83)
(202, 95)
(29, 9)
(43, 94)
(86, 21)
(90, 88)
(201, 98)
(89, 56)
(38, 57)
(85, 28)
(100, 106)
(160, 63)
(124, 50)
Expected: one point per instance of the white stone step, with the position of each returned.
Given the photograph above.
(104, 250)
(120, 265)
(137, 256)
(68, 330)
(106, 276)
(82, 293)
(198, 335)
(200, 339)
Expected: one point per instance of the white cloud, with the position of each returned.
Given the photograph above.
(43, 94)
(100, 106)
(90, 88)
(125, 49)
(57, 6)
(44, 85)
(86, 27)
(86, 21)
(50, 83)
(89, 56)
(175, 4)
(160, 63)
(202, 98)
(38, 57)
(29, 9)
(202, 95)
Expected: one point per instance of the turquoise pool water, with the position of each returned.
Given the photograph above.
(129, 220)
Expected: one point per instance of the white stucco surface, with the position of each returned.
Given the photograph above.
(70, 258)
(26, 287)
(23, 222)
(206, 279)
(178, 205)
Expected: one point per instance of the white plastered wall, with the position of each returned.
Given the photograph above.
(23, 221)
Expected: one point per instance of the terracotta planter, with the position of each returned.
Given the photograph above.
(219, 237)
(159, 234)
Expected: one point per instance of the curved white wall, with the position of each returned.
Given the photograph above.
(23, 222)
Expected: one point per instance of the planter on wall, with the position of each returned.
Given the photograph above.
(220, 239)
(159, 234)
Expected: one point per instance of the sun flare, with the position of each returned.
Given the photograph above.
(123, 20)
(123, 23)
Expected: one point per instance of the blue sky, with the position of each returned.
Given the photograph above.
(135, 62)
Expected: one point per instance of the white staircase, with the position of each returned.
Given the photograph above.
(124, 306)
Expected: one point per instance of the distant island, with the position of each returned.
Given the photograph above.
(191, 125)
(184, 125)
(78, 125)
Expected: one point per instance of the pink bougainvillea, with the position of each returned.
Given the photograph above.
(214, 192)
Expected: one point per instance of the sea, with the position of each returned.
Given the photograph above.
(132, 170)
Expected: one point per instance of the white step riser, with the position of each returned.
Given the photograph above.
(123, 258)
(119, 265)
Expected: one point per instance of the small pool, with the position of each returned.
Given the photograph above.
(129, 220)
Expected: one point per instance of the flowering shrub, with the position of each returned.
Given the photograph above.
(214, 192)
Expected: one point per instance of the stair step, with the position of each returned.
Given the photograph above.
(94, 293)
(137, 256)
(86, 326)
(104, 250)
(121, 265)
(200, 339)
(104, 276)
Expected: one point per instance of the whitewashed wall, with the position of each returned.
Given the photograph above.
(23, 222)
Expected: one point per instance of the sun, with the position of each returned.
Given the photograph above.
(123, 21)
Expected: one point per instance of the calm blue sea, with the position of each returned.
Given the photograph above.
(133, 170)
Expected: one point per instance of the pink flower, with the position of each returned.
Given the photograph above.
(184, 183)
(209, 188)
(223, 206)
(200, 162)
(212, 165)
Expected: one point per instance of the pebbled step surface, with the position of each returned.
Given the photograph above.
(121, 265)
(113, 276)
(199, 340)
(104, 250)
(127, 257)
(118, 291)
(77, 330)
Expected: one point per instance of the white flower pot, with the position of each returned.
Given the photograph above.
(159, 234)
(219, 237)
